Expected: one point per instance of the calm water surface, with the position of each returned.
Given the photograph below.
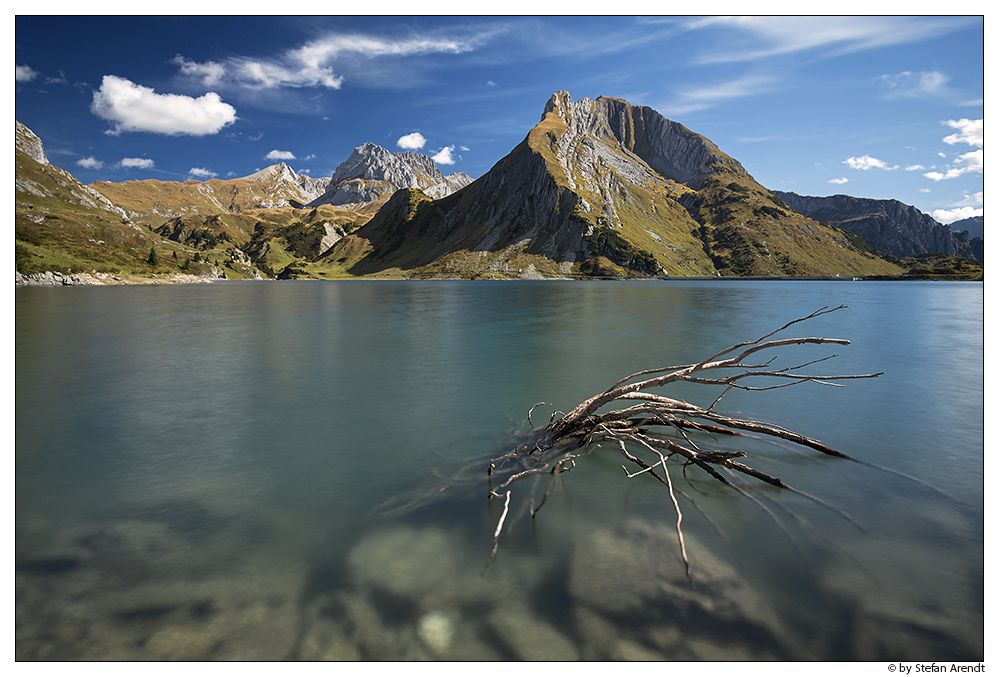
(255, 471)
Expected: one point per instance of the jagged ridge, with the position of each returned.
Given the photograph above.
(889, 226)
(372, 173)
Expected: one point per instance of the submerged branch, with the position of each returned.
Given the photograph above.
(661, 427)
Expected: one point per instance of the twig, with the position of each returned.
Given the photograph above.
(499, 527)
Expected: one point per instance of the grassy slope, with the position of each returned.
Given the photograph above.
(750, 232)
(54, 232)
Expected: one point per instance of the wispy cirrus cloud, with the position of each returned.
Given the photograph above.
(317, 63)
(759, 37)
(692, 99)
(920, 85)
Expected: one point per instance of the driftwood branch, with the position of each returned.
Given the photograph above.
(659, 428)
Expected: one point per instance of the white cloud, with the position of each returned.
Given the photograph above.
(90, 163)
(269, 75)
(134, 108)
(444, 157)
(137, 162)
(866, 162)
(946, 216)
(971, 205)
(464, 148)
(24, 74)
(841, 180)
(921, 85)
(971, 132)
(915, 168)
(280, 155)
(969, 163)
(202, 172)
(411, 141)
(210, 73)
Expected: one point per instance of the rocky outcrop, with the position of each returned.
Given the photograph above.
(51, 279)
(667, 147)
(372, 173)
(25, 140)
(282, 176)
(888, 226)
(973, 225)
(46, 180)
(450, 184)
(635, 574)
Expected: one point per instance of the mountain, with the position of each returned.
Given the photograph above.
(888, 226)
(62, 225)
(362, 183)
(372, 174)
(279, 179)
(974, 226)
(65, 227)
(34, 176)
(150, 201)
(600, 187)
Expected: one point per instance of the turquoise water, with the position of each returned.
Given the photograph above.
(202, 473)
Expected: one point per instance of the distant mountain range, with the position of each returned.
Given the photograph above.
(597, 188)
(889, 226)
(973, 225)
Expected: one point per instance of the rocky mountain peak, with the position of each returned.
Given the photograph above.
(280, 172)
(27, 141)
(667, 147)
(374, 163)
(372, 173)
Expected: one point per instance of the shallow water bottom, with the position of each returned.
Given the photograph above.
(220, 472)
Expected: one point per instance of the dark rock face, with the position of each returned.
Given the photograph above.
(974, 226)
(889, 226)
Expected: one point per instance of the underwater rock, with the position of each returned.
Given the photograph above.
(635, 574)
(529, 638)
(436, 631)
(406, 563)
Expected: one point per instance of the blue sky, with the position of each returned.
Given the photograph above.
(885, 107)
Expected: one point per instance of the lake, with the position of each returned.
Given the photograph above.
(297, 470)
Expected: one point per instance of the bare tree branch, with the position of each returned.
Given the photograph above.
(650, 420)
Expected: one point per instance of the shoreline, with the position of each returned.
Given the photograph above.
(57, 279)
